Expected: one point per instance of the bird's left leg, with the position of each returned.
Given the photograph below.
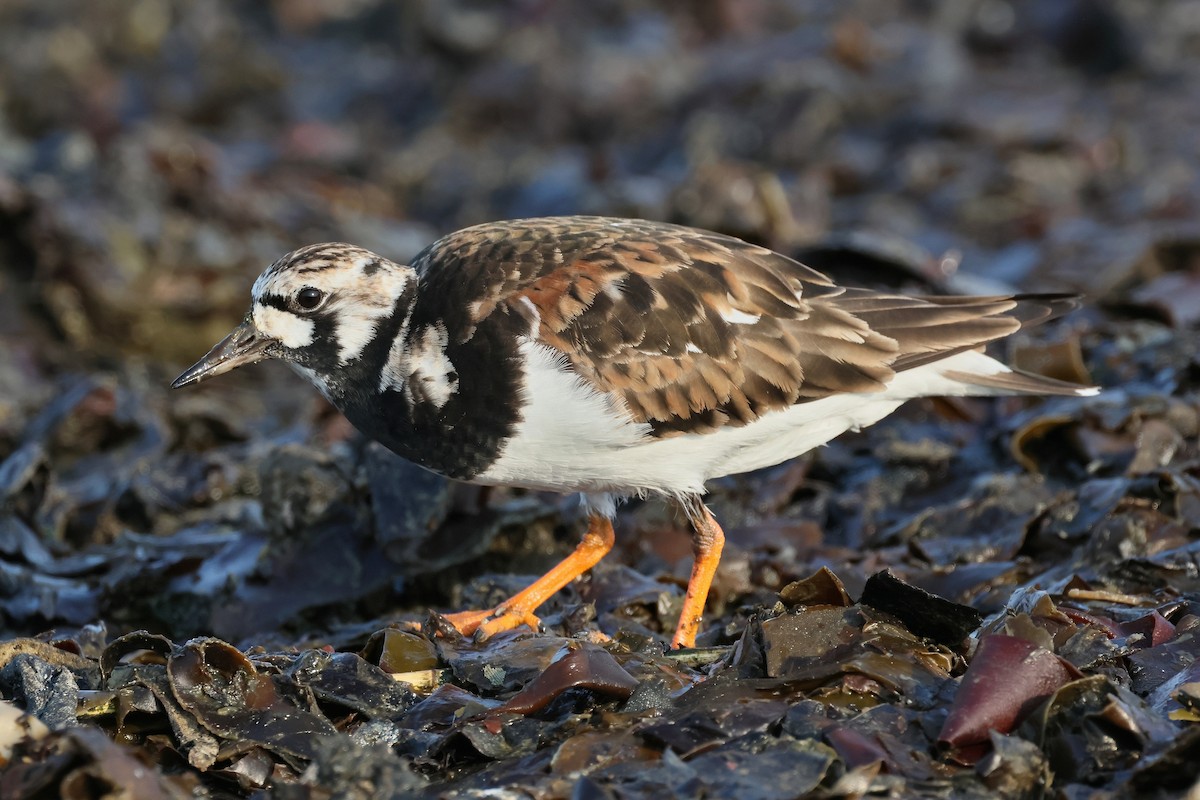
(707, 542)
(518, 609)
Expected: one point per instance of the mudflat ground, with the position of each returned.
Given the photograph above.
(206, 593)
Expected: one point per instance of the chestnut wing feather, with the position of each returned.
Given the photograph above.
(694, 330)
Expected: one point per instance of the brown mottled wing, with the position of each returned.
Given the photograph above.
(695, 330)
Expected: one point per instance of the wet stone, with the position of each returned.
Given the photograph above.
(1007, 679)
(503, 664)
(923, 613)
(821, 588)
(806, 636)
(346, 680)
(400, 651)
(445, 706)
(408, 504)
(46, 691)
(230, 698)
(584, 667)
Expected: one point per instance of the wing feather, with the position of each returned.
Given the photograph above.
(695, 330)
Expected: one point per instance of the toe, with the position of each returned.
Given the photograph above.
(467, 622)
(506, 620)
(489, 622)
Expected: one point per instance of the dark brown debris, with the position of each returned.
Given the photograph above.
(229, 593)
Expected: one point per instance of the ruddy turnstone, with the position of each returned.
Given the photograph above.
(612, 357)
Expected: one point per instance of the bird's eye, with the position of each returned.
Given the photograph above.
(309, 298)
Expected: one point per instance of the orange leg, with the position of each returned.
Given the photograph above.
(708, 541)
(518, 609)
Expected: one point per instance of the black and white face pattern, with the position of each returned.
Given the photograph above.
(324, 304)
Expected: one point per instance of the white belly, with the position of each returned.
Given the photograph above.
(573, 438)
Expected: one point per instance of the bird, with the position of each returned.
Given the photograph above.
(615, 358)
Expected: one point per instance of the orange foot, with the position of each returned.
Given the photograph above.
(518, 609)
(488, 622)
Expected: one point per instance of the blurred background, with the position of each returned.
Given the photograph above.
(156, 155)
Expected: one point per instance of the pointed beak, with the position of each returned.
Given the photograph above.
(244, 346)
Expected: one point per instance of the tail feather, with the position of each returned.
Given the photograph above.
(1021, 382)
(936, 328)
(1031, 309)
(1034, 309)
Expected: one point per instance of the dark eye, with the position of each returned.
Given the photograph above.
(309, 298)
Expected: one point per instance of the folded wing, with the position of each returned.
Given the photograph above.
(694, 330)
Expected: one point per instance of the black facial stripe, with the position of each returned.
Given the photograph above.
(323, 352)
(387, 329)
(275, 301)
(321, 355)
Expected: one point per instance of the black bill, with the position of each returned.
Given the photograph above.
(244, 346)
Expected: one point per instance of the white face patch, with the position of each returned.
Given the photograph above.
(291, 330)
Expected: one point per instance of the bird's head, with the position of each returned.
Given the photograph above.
(317, 308)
